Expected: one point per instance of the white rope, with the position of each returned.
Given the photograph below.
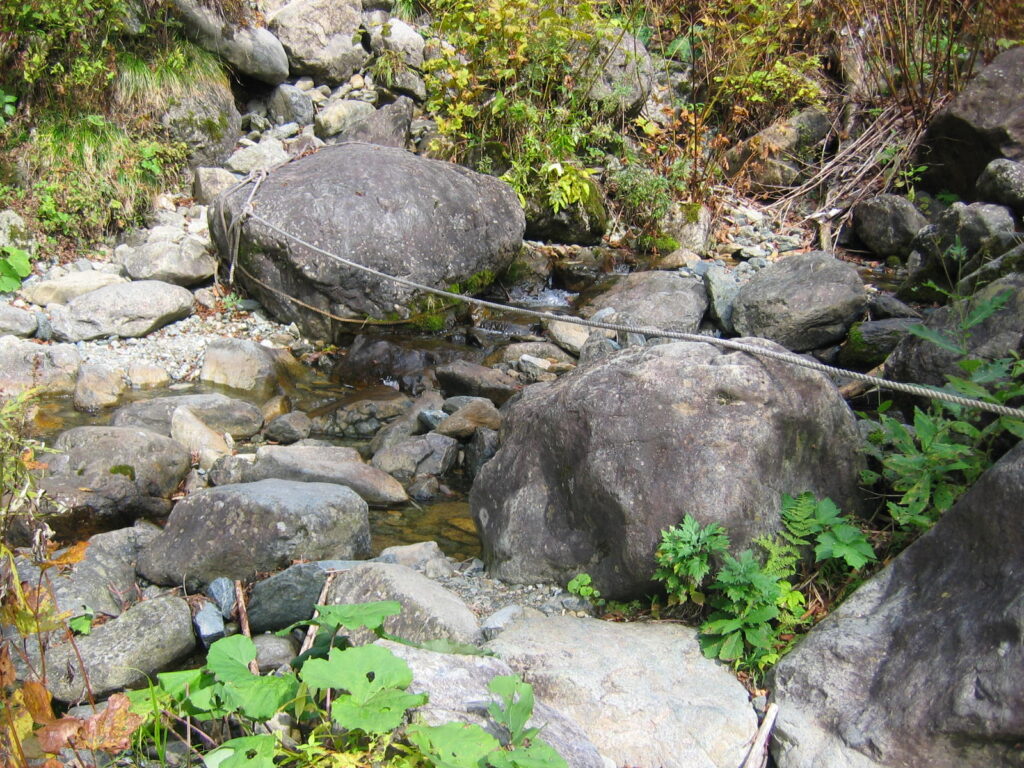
(786, 357)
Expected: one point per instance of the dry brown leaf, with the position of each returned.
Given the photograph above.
(111, 730)
(72, 555)
(7, 674)
(37, 701)
(53, 737)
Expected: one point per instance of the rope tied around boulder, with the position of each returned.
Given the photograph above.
(233, 234)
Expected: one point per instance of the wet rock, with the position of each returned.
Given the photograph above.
(219, 412)
(584, 222)
(803, 302)
(360, 414)
(99, 386)
(147, 376)
(106, 503)
(429, 611)
(63, 289)
(371, 360)
(252, 50)
(465, 378)
(291, 595)
(238, 531)
(123, 310)
(882, 306)
(289, 428)
(594, 466)
(923, 664)
(608, 677)
(248, 367)
(511, 353)
(887, 224)
(146, 639)
(155, 464)
(465, 421)
(16, 322)
(456, 687)
(665, 300)
(321, 38)
(340, 466)
(433, 222)
(430, 454)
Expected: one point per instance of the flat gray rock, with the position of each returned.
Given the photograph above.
(642, 692)
(124, 310)
(666, 300)
(50, 368)
(16, 322)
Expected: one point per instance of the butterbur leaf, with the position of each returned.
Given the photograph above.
(453, 745)
(361, 671)
(260, 698)
(228, 658)
(381, 712)
(246, 752)
(356, 616)
(516, 704)
(539, 754)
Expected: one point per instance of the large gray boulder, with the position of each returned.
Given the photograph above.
(643, 693)
(426, 220)
(219, 412)
(147, 638)
(620, 73)
(1002, 182)
(666, 300)
(124, 309)
(249, 367)
(51, 369)
(154, 463)
(17, 322)
(924, 663)
(594, 466)
(457, 684)
(803, 302)
(238, 531)
(252, 50)
(320, 37)
(985, 122)
(1001, 335)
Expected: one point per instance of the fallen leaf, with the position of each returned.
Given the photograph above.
(37, 702)
(111, 730)
(55, 736)
(72, 555)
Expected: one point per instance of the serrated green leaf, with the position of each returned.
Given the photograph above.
(358, 615)
(732, 647)
(539, 754)
(516, 705)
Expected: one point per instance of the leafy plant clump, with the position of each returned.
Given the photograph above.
(342, 705)
(754, 604)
